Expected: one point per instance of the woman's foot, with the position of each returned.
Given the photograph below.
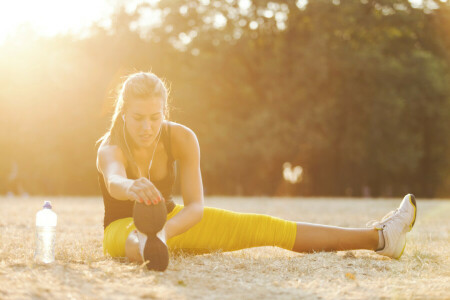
(149, 221)
(154, 250)
(394, 227)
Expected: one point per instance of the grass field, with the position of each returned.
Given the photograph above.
(82, 272)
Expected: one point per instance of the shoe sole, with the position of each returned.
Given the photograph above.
(156, 254)
(150, 219)
(412, 200)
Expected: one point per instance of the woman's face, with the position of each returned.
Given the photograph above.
(143, 120)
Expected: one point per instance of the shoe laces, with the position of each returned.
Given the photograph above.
(387, 219)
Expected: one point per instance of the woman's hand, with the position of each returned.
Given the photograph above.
(143, 190)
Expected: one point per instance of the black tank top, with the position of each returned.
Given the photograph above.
(118, 209)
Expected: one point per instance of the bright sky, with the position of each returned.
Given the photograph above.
(50, 17)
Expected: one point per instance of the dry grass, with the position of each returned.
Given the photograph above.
(82, 272)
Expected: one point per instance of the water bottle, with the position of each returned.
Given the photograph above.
(45, 234)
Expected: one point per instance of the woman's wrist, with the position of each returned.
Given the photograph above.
(119, 187)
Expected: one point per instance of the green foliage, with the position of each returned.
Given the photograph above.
(357, 93)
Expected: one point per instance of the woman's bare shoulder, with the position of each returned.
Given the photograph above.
(183, 140)
(180, 131)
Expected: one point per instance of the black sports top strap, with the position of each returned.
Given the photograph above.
(167, 142)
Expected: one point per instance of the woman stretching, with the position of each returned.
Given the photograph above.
(135, 164)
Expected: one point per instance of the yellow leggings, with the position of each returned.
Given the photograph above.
(219, 230)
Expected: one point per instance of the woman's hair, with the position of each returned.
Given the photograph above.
(137, 86)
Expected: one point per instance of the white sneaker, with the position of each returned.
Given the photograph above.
(395, 225)
(142, 238)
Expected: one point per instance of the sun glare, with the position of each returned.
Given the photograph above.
(50, 17)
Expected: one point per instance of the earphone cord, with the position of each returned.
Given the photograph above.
(131, 154)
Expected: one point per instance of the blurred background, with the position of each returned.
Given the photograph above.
(310, 98)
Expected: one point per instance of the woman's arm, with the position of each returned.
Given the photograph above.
(111, 163)
(187, 151)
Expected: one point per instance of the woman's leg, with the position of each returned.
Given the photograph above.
(117, 238)
(316, 237)
(121, 240)
(223, 230)
(309, 238)
(392, 230)
(228, 231)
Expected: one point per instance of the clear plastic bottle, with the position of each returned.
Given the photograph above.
(45, 234)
